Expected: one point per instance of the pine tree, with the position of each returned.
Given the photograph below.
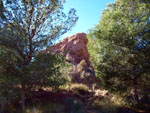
(27, 27)
(124, 37)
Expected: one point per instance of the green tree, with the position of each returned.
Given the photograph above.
(27, 27)
(46, 71)
(93, 47)
(8, 61)
(124, 37)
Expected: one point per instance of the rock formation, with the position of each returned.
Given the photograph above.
(74, 49)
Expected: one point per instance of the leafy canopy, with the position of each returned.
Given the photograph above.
(30, 25)
(26, 28)
(124, 37)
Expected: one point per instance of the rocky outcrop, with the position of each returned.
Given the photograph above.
(73, 48)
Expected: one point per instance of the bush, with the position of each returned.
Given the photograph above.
(105, 105)
(79, 89)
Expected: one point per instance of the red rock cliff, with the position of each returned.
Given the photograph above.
(73, 48)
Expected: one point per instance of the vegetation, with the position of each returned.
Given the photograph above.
(93, 47)
(105, 105)
(27, 27)
(79, 89)
(124, 35)
(119, 48)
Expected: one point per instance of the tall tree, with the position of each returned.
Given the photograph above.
(28, 26)
(93, 48)
(124, 37)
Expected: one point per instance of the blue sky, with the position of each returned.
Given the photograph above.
(89, 12)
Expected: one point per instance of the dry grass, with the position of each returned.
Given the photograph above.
(79, 86)
(79, 89)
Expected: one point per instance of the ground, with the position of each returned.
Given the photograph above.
(81, 102)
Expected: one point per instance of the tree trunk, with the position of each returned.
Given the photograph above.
(23, 97)
(135, 92)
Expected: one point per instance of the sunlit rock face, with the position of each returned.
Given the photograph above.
(73, 48)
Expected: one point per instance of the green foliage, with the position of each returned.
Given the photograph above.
(27, 27)
(8, 82)
(45, 71)
(124, 36)
(9, 63)
(65, 69)
(93, 49)
(31, 25)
